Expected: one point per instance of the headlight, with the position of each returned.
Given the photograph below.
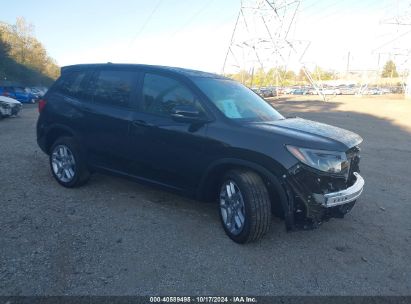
(327, 161)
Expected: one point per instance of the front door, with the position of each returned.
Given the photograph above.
(169, 152)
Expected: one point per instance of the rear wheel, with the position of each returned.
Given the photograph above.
(245, 208)
(67, 163)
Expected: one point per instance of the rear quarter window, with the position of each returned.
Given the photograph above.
(70, 83)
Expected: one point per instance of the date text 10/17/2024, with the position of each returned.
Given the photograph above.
(174, 299)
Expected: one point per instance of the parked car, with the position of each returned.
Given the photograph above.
(348, 90)
(274, 91)
(19, 93)
(386, 90)
(289, 90)
(374, 91)
(266, 92)
(9, 106)
(256, 90)
(39, 91)
(36, 93)
(279, 91)
(330, 91)
(203, 135)
(300, 91)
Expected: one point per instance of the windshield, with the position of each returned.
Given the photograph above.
(236, 101)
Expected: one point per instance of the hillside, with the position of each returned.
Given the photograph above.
(23, 59)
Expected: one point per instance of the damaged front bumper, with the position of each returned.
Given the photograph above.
(341, 197)
(315, 197)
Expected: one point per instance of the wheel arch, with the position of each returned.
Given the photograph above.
(55, 132)
(211, 179)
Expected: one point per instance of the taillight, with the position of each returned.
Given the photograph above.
(42, 104)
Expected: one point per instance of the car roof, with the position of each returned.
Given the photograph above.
(182, 71)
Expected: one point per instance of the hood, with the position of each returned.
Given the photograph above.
(312, 134)
(9, 100)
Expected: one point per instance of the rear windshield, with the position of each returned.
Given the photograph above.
(236, 101)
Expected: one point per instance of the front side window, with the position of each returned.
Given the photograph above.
(161, 94)
(114, 87)
(236, 101)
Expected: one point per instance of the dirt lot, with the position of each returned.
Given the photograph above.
(115, 237)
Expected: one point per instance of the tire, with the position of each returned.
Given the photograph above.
(69, 168)
(254, 212)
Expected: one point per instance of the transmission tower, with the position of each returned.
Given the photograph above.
(399, 47)
(261, 39)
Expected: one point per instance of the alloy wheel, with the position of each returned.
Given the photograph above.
(63, 163)
(232, 207)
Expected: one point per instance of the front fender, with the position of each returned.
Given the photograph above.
(273, 178)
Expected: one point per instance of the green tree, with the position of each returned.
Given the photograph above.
(302, 76)
(22, 57)
(389, 70)
(259, 78)
(321, 74)
(290, 75)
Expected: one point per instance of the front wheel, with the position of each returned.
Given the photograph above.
(67, 163)
(245, 208)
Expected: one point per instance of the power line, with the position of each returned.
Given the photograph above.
(145, 23)
(195, 15)
(391, 41)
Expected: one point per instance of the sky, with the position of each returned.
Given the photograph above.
(196, 34)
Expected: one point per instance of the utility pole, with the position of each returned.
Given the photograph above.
(348, 62)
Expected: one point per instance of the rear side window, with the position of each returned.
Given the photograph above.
(70, 84)
(161, 94)
(114, 87)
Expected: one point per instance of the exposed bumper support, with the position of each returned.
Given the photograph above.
(341, 197)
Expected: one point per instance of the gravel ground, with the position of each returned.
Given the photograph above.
(116, 237)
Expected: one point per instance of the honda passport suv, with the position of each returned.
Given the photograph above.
(201, 135)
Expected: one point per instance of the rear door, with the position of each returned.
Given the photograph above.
(108, 112)
(167, 151)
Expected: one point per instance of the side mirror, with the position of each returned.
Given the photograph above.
(186, 113)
